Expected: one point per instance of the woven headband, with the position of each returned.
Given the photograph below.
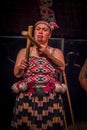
(51, 25)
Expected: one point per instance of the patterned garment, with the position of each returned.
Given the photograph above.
(40, 70)
(39, 111)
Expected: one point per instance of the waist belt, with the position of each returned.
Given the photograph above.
(39, 85)
(39, 92)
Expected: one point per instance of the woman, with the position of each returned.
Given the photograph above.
(38, 105)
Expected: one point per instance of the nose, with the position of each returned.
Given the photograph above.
(40, 31)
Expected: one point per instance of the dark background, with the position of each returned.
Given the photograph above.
(71, 16)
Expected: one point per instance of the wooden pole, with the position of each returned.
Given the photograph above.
(69, 101)
(29, 32)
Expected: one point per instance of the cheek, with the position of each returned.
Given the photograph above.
(47, 36)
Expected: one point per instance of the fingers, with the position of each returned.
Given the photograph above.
(24, 64)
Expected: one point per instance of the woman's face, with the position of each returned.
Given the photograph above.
(42, 33)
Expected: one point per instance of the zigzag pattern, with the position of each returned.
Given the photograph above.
(40, 70)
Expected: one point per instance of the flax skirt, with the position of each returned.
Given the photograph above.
(38, 112)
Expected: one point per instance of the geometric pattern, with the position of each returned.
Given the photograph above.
(38, 112)
(40, 70)
(33, 112)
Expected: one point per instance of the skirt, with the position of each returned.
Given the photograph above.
(39, 111)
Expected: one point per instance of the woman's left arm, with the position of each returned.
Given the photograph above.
(57, 58)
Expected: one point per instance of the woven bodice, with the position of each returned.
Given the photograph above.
(40, 70)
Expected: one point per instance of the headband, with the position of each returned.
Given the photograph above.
(51, 25)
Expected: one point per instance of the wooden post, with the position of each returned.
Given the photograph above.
(30, 28)
(69, 101)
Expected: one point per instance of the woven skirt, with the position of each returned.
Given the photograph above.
(38, 112)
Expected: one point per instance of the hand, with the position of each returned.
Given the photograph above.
(20, 68)
(23, 64)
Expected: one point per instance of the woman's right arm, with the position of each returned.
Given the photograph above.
(21, 63)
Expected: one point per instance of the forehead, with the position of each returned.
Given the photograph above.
(42, 25)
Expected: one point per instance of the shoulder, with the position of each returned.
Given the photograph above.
(22, 51)
(56, 51)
